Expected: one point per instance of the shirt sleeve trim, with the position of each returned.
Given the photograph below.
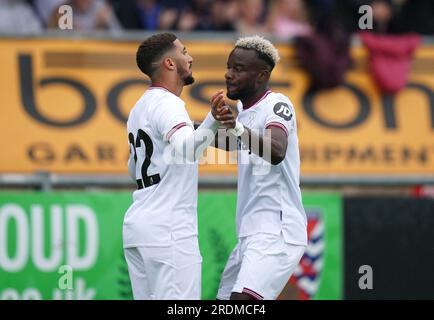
(174, 129)
(278, 125)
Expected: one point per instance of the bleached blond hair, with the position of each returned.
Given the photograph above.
(261, 45)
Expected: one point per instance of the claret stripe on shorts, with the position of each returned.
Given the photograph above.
(253, 294)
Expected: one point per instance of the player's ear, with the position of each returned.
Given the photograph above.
(169, 63)
(264, 75)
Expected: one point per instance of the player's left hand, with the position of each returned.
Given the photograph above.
(217, 103)
(221, 111)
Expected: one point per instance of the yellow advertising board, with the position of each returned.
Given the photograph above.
(64, 105)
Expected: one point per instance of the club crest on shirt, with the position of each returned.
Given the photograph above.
(282, 110)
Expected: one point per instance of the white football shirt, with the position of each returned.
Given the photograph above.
(269, 196)
(165, 204)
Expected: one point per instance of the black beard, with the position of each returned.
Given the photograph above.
(188, 80)
(232, 96)
(239, 95)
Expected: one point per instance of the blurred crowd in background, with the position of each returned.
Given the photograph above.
(284, 19)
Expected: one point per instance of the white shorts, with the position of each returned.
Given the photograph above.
(260, 266)
(166, 273)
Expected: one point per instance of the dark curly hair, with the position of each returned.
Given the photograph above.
(151, 49)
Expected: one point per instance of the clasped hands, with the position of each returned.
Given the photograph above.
(221, 111)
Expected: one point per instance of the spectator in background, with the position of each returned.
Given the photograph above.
(347, 13)
(288, 19)
(206, 15)
(222, 16)
(413, 16)
(251, 17)
(188, 19)
(389, 16)
(89, 15)
(325, 53)
(196, 13)
(171, 14)
(382, 14)
(391, 47)
(148, 14)
(45, 8)
(183, 15)
(18, 15)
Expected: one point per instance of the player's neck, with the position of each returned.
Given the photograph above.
(253, 99)
(172, 85)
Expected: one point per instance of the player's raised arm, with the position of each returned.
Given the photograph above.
(189, 143)
(271, 146)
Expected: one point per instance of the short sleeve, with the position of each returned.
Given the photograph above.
(280, 113)
(170, 115)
